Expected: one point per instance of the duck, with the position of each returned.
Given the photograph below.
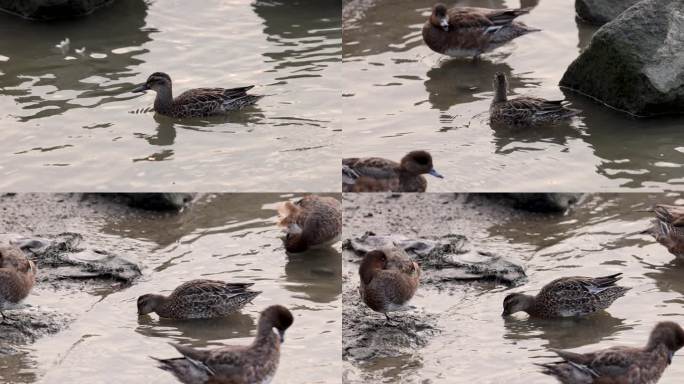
(621, 365)
(374, 174)
(567, 297)
(17, 277)
(198, 299)
(197, 102)
(668, 228)
(254, 363)
(525, 111)
(470, 31)
(389, 279)
(313, 221)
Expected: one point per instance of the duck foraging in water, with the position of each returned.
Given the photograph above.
(374, 174)
(254, 363)
(17, 277)
(197, 102)
(525, 111)
(621, 365)
(567, 297)
(471, 31)
(312, 221)
(198, 299)
(668, 228)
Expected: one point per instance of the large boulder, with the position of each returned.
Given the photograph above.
(599, 12)
(51, 9)
(635, 63)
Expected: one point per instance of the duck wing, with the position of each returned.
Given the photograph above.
(372, 167)
(214, 99)
(533, 107)
(474, 17)
(670, 214)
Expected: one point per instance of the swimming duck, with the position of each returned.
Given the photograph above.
(311, 222)
(668, 228)
(17, 276)
(254, 363)
(470, 31)
(621, 365)
(525, 111)
(198, 102)
(567, 297)
(389, 279)
(374, 174)
(198, 299)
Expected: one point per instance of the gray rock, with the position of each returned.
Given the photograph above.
(25, 325)
(635, 62)
(51, 9)
(541, 202)
(599, 12)
(159, 201)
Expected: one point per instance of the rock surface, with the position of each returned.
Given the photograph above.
(51, 9)
(26, 325)
(635, 62)
(599, 12)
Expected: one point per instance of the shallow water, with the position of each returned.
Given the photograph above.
(67, 117)
(475, 344)
(402, 96)
(226, 237)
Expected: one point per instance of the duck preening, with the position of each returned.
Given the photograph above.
(17, 277)
(313, 221)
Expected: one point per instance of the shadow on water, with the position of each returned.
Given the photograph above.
(197, 333)
(565, 333)
(48, 80)
(315, 274)
(18, 368)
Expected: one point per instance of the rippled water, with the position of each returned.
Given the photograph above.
(225, 237)
(69, 119)
(402, 96)
(475, 344)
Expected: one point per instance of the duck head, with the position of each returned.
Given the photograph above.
(419, 162)
(372, 262)
(667, 333)
(276, 318)
(156, 82)
(294, 239)
(149, 303)
(440, 17)
(517, 302)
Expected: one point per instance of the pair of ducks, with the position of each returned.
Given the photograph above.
(389, 279)
(17, 277)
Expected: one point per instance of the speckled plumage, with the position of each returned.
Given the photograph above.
(389, 279)
(621, 365)
(668, 228)
(471, 31)
(254, 363)
(198, 299)
(374, 174)
(525, 111)
(17, 277)
(567, 297)
(197, 102)
(312, 221)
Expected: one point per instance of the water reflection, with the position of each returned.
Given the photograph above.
(316, 274)
(18, 368)
(47, 80)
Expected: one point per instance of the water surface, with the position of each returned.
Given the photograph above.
(68, 117)
(400, 96)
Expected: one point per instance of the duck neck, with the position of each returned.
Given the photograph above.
(500, 93)
(164, 99)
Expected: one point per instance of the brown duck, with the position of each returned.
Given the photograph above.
(621, 365)
(470, 31)
(17, 277)
(374, 174)
(198, 299)
(198, 102)
(567, 297)
(389, 279)
(254, 363)
(668, 228)
(312, 221)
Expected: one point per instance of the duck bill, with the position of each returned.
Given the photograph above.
(444, 23)
(141, 89)
(670, 355)
(282, 336)
(435, 173)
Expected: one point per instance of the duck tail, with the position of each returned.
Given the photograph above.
(287, 212)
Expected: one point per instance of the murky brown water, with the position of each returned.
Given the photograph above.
(403, 97)
(475, 344)
(227, 237)
(67, 116)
